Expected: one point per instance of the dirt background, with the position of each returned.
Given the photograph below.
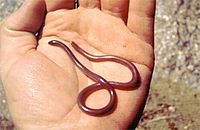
(174, 98)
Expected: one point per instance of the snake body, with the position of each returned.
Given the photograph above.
(100, 82)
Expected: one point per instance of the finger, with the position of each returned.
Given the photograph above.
(141, 18)
(89, 3)
(28, 18)
(53, 5)
(118, 8)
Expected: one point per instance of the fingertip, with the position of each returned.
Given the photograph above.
(118, 8)
(53, 5)
(90, 3)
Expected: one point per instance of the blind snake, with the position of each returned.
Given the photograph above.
(101, 83)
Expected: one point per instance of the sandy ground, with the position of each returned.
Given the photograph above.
(174, 98)
(171, 106)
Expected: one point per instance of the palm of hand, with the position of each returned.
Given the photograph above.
(48, 83)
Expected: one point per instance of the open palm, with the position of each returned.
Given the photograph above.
(42, 83)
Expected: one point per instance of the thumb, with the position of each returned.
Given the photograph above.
(28, 18)
(17, 32)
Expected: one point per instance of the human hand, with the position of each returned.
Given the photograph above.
(41, 82)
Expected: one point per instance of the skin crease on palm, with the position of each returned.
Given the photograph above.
(41, 82)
